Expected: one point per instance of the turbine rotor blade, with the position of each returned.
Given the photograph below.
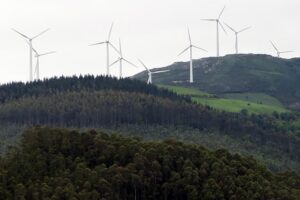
(20, 34)
(274, 46)
(114, 48)
(40, 33)
(190, 39)
(111, 27)
(144, 65)
(286, 52)
(184, 51)
(98, 43)
(129, 62)
(222, 27)
(244, 29)
(230, 27)
(120, 48)
(208, 19)
(115, 62)
(162, 71)
(33, 49)
(199, 48)
(47, 53)
(221, 12)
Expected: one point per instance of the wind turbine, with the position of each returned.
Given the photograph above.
(149, 81)
(190, 47)
(29, 40)
(108, 44)
(236, 36)
(37, 67)
(279, 52)
(121, 59)
(218, 24)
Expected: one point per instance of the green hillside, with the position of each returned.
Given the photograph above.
(243, 73)
(253, 102)
(66, 164)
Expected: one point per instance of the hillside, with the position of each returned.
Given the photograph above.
(90, 165)
(238, 74)
(254, 103)
(134, 108)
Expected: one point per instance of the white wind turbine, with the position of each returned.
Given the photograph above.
(149, 81)
(37, 67)
(218, 23)
(190, 47)
(236, 36)
(121, 59)
(29, 40)
(108, 44)
(279, 52)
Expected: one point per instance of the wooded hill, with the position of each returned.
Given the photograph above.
(97, 102)
(64, 164)
(238, 74)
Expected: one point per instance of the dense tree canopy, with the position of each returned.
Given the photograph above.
(46, 87)
(65, 164)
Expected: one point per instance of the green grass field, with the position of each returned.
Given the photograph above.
(185, 91)
(258, 98)
(233, 105)
(256, 103)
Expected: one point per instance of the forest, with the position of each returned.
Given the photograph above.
(51, 163)
(96, 102)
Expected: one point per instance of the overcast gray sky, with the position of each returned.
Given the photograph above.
(153, 30)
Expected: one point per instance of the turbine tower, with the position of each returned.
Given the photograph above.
(279, 52)
(149, 81)
(37, 67)
(29, 40)
(121, 59)
(218, 23)
(108, 44)
(190, 47)
(236, 36)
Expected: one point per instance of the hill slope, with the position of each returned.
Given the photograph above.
(73, 165)
(255, 103)
(279, 78)
(127, 105)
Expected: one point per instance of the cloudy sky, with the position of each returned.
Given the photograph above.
(154, 31)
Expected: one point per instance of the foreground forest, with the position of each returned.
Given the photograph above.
(64, 164)
(132, 107)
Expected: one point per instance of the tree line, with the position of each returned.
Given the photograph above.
(62, 84)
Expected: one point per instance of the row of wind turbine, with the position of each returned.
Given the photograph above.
(121, 58)
(118, 51)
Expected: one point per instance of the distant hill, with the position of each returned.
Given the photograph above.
(238, 74)
(67, 164)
